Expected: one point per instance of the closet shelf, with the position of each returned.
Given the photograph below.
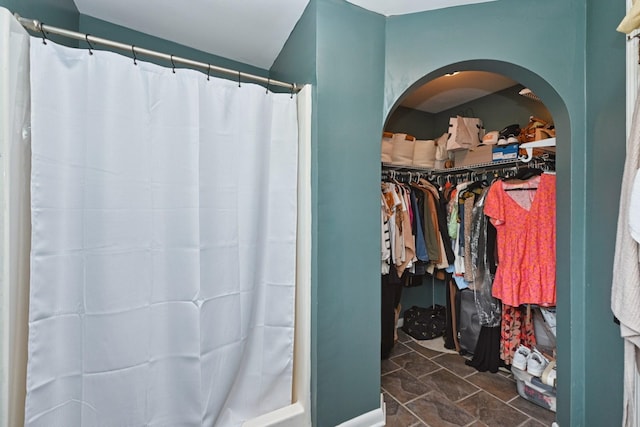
(529, 146)
(471, 168)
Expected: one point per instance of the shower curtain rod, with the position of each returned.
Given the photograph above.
(38, 27)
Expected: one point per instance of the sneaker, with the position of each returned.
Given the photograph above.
(521, 357)
(491, 138)
(549, 374)
(536, 363)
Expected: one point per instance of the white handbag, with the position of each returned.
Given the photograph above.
(442, 155)
(464, 133)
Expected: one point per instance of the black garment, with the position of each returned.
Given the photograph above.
(449, 342)
(441, 206)
(492, 248)
(391, 294)
(486, 356)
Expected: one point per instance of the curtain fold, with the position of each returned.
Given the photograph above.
(163, 245)
(15, 155)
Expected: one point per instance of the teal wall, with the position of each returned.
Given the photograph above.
(431, 291)
(414, 122)
(605, 152)
(340, 47)
(57, 13)
(350, 82)
(53, 12)
(297, 59)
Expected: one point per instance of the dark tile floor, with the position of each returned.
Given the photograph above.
(426, 388)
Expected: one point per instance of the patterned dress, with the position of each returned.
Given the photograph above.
(525, 221)
(526, 233)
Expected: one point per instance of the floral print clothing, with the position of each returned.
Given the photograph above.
(517, 328)
(525, 221)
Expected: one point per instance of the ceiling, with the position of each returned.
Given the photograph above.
(249, 31)
(449, 91)
(253, 32)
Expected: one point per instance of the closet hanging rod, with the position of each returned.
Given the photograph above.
(38, 27)
(468, 168)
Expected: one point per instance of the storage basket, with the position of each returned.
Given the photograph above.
(402, 153)
(387, 147)
(424, 153)
(534, 391)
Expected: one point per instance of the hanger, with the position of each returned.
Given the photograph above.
(524, 188)
(527, 173)
(477, 184)
(529, 146)
(521, 189)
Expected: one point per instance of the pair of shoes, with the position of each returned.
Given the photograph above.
(506, 140)
(529, 360)
(509, 135)
(521, 357)
(537, 363)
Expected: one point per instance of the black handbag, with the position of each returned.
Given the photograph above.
(425, 323)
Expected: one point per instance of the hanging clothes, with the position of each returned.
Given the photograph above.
(428, 196)
(474, 231)
(408, 241)
(396, 216)
(489, 312)
(524, 217)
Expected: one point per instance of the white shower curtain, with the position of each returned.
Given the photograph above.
(15, 155)
(163, 245)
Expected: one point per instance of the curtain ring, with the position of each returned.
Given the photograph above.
(268, 82)
(173, 64)
(293, 88)
(86, 38)
(208, 71)
(44, 36)
(133, 51)
(239, 79)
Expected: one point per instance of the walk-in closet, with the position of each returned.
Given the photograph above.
(468, 255)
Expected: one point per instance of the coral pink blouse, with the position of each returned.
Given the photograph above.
(525, 221)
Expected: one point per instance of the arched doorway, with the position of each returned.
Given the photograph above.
(558, 110)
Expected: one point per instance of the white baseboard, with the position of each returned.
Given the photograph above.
(375, 418)
(400, 322)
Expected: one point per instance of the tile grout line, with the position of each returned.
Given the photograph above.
(464, 378)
